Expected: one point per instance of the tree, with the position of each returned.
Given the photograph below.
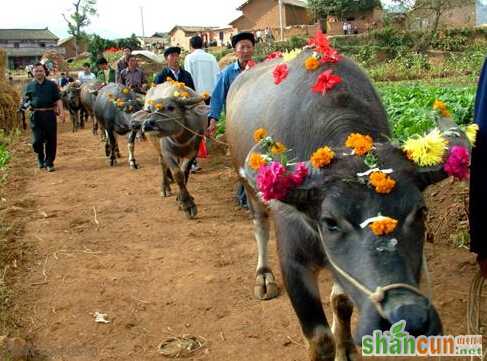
(339, 8)
(80, 18)
(132, 42)
(97, 46)
(429, 9)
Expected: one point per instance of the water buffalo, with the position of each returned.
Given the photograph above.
(88, 93)
(115, 108)
(175, 121)
(70, 96)
(320, 223)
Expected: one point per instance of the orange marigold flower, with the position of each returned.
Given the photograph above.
(185, 94)
(322, 157)
(441, 107)
(311, 63)
(361, 144)
(384, 226)
(260, 134)
(256, 161)
(278, 148)
(205, 95)
(382, 182)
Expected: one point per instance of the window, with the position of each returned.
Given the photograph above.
(43, 45)
(16, 45)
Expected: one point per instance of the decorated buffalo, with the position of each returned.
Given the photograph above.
(175, 121)
(70, 96)
(311, 141)
(115, 110)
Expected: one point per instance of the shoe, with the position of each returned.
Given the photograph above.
(50, 168)
(41, 165)
(195, 168)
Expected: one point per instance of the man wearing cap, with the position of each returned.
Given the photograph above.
(173, 70)
(243, 43)
(105, 73)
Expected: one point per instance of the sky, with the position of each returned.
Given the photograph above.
(120, 18)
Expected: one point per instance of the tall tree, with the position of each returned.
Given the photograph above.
(79, 19)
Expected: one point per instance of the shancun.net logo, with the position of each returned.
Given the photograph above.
(398, 342)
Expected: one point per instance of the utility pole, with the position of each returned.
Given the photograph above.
(280, 20)
(142, 20)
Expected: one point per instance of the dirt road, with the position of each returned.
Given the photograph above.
(152, 271)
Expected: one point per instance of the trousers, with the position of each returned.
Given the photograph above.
(44, 136)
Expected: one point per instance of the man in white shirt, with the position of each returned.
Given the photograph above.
(202, 66)
(86, 74)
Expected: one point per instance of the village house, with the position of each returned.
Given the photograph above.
(361, 21)
(259, 14)
(468, 14)
(180, 35)
(69, 45)
(26, 46)
(153, 43)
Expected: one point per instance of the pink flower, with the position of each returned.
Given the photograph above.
(326, 81)
(275, 182)
(280, 73)
(274, 55)
(458, 162)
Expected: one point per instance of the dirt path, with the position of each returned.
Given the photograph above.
(154, 272)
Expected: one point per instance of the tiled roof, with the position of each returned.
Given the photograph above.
(27, 34)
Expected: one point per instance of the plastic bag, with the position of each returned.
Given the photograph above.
(202, 150)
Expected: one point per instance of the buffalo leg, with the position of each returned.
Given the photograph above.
(265, 285)
(131, 149)
(185, 199)
(112, 141)
(342, 309)
(165, 182)
(82, 116)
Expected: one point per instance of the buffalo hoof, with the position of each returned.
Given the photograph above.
(265, 286)
(133, 164)
(347, 355)
(191, 212)
(113, 162)
(119, 155)
(166, 192)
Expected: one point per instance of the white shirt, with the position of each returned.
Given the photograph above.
(83, 77)
(203, 69)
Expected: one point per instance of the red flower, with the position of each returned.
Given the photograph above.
(250, 64)
(326, 81)
(330, 56)
(320, 41)
(274, 55)
(280, 73)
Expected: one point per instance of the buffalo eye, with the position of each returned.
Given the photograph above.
(331, 224)
(170, 108)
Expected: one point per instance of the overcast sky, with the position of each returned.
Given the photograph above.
(120, 18)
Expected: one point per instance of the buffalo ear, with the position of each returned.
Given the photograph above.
(427, 176)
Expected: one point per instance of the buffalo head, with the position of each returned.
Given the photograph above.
(338, 208)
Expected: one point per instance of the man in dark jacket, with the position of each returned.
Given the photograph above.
(43, 97)
(173, 70)
(478, 178)
(105, 73)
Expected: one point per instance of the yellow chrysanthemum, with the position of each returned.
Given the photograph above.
(427, 150)
(322, 157)
(151, 101)
(259, 134)
(290, 55)
(256, 161)
(158, 106)
(278, 148)
(125, 91)
(471, 133)
(176, 93)
(384, 226)
(170, 80)
(441, 107)
(381, 182)
(185, 94)
(311, 63)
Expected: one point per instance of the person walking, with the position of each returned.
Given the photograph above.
(86, 75)
(478, 177)
(243, 43)
(133, 77)
(173, 70)
(44, 99)
(202, 66)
